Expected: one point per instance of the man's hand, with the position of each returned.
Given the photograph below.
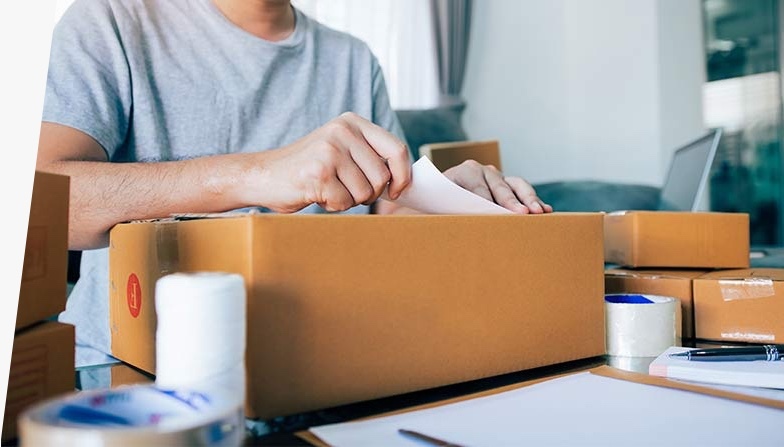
(513, 193)
(347, 162)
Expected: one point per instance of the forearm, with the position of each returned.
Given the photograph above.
(104, 194)
(334, 166)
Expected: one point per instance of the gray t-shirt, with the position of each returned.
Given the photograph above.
(175, 79)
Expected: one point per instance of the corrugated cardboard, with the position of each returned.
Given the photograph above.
(42, 290)
(349, 308)
(42, 366)
(673, 283)
(740, 305)
(667, 239)
(123, 374)
(449, 154)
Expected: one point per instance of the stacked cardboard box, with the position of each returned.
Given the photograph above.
(745, 305)
(680, 240)
(666, 253)
(42, 359)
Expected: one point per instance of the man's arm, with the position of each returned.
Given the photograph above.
(347, 162)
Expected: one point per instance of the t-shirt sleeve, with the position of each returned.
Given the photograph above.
(383, 114)
(88, 82)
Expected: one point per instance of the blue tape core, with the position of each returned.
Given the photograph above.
(627, 299)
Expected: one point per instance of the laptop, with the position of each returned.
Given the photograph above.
(688, 179)
(689, 173)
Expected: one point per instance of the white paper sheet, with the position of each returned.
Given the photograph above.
(581, 409)
(431, 192)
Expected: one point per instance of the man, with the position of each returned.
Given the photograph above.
(172, 106)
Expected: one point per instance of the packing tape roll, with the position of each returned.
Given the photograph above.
(200, 338)
(633, 364)
(137, 415)
(199, 392)
(639, 325)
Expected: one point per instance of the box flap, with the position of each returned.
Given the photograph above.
(655, 274)
(772, 274)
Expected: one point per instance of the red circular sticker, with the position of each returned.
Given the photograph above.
(134, 295)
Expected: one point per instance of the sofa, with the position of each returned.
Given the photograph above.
(444, 124)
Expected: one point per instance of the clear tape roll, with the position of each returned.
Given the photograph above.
(199, 393)
(639, 325)
(633, 364)
(141, 415)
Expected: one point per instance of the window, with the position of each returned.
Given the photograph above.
(743, 96)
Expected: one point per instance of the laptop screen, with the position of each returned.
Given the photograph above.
(688, 174)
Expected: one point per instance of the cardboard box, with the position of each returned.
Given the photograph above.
(42, 367)
(123, 374)
(449, 154)
(673, 283)
(44, 274)
(343, 309)
(740, 305)
(667, 239)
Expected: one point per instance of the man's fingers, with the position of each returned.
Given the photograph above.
(334, 195)
(388, 148)
(502, 191)
(374, 169)
(526, 194)
(469, 175)
(352, 177)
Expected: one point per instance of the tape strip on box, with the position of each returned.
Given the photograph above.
(746, 289)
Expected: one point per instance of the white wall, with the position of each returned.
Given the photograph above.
(573, 89)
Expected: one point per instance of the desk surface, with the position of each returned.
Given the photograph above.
(284, 429)
(281, 431)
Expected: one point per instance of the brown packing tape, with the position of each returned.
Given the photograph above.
(166, 246)
(746, 288)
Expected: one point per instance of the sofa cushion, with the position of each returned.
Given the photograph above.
(435, 125)
(593, 196)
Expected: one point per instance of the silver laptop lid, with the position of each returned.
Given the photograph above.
(689, 173)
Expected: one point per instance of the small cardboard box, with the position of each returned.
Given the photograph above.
(44, 272)
(344, 309)
(673, 283)
(666, 239)
(42, 367)
(740, 305)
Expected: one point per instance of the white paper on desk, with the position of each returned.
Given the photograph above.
(580, 409)
(431, 192)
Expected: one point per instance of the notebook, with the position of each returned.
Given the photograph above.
(756, 373)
